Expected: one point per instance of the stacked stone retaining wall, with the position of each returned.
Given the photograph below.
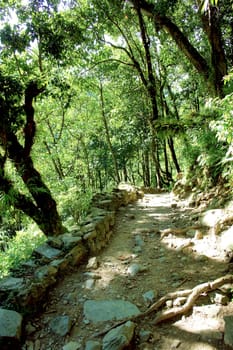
(25, 290)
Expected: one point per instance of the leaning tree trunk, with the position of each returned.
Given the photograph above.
(45, 213)
(173, 154)
(40, 206)
(49, 224)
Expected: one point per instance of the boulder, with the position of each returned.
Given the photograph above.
(10, 329)
(47, 252)
(93, 345)
(109, 310)
(120, 337)
(61, 325)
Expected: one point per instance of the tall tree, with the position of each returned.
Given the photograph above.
(212, 18)
(41, 207)
(23, 79)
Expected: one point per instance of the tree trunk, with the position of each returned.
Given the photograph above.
(211, 26)
(213, 74)
(151, 89)
(117, 175)
(173, 154)
(45, 204)
(41, 207)
(46, 217)
(146, 168)
(166, 161)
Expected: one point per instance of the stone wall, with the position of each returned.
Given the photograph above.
(26, 289)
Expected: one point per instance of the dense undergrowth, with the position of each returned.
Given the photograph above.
(19, 248)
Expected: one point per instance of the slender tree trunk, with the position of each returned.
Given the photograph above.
(108, 138)
(173, 154)
(56, 163)
(87, 161)
(155, 158)
(146, 168)
(151, 89)
(168, 173)
(125, 173)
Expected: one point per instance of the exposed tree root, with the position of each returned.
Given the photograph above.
(192, 297)
(191, 294)
(180, 231)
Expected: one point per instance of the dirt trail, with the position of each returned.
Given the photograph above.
(168, 264)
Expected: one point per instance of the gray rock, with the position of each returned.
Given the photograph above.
(70, 241)
(61, 325)
(60, 264)
(72, 345)
(47, 252)
(55, 242)
(145, 335)
(46, 272)
(89, 284)
(10, 325)
(11, 283)
(149, 296)
(93, 345)
(92, 263)
(29, 263)
(135, 268)
(228, 335)
(138, 241)
(93, 275)
(137, 250)
(29, 328)
(108, 310)
(120, 337)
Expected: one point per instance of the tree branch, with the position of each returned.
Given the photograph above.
(181, 40)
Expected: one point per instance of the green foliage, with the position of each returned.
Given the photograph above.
(223, 128)
(70, 50)
(19, 249)
(11, 108)
(207, 146)
(73, 205)
(13, 38)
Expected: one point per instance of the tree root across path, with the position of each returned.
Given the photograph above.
(180, 231)
(191, 296)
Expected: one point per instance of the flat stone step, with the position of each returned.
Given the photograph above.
(109, 310)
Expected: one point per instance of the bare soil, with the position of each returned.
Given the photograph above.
(173, 263)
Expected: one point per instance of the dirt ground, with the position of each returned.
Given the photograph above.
(173, 263)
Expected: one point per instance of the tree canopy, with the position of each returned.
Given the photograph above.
(94, 92)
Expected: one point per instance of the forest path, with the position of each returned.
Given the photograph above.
(165, 265)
